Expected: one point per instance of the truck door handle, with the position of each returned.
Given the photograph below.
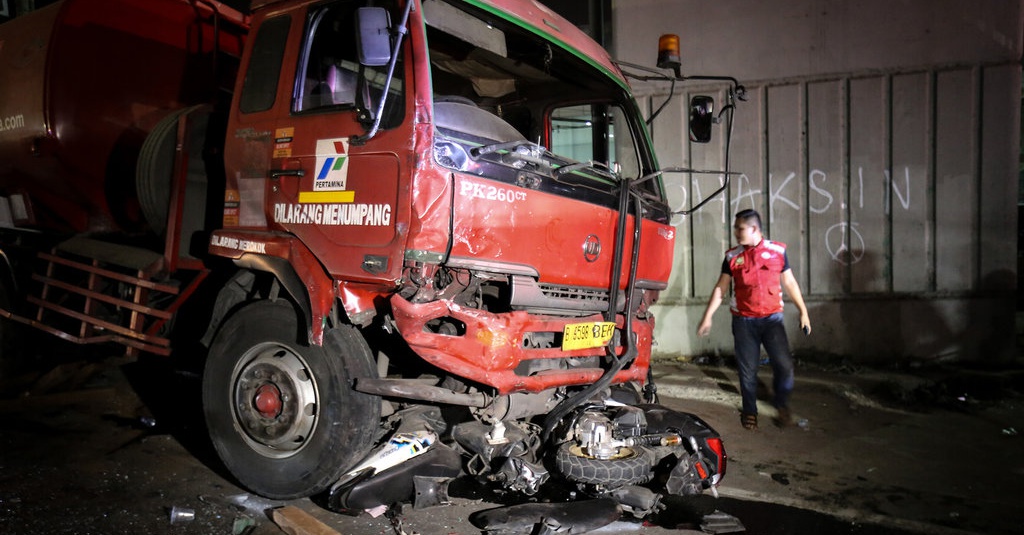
(278, 173)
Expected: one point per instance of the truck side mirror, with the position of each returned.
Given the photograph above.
(373, 25)
(702, 116)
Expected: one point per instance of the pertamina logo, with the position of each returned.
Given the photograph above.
(331, 164)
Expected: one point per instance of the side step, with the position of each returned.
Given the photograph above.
(93, 292)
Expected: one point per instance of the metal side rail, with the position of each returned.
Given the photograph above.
(94, 292)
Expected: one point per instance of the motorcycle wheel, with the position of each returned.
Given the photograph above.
(632, 466)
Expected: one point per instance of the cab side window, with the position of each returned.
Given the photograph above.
(259, 91)
(330, 77)
(329, 72)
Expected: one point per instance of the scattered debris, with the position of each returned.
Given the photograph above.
(242, 525)
(802, 423)
(253, 506)
(719, 522)
(374, 512)
(394, 514)
(1010, 432)
(295, 521)
(180, 515)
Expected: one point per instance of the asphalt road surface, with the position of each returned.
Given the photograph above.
(113, 449)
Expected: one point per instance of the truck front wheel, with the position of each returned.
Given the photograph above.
(281, 413)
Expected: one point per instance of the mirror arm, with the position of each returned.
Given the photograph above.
(728, 174)
(400, 31)
(671, 94)
(659, 76)
(736, 91)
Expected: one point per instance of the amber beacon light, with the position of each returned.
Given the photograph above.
(668, 52)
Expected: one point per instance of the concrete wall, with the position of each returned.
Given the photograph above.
(880, 141)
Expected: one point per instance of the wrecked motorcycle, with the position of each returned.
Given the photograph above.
(623, 455)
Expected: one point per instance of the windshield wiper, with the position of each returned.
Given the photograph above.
(519, 146)
(596, 168)
(517, 153)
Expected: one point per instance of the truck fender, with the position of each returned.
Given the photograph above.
(291, 263)
(290, 281)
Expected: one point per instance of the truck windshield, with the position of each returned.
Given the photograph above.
(506, 96)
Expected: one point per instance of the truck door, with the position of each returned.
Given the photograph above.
(339, 197)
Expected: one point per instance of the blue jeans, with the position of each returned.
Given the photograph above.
(748, 336)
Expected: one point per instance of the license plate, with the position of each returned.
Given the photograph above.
(587, 335)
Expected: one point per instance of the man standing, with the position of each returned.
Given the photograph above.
(758, 269)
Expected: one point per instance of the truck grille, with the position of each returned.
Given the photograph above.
(528, 294)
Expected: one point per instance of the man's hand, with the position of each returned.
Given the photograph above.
(704, 328)
(805, 323)
(714, 301)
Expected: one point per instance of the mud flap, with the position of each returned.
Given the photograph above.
(547, 518)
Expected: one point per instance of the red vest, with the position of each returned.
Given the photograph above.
(756, 275)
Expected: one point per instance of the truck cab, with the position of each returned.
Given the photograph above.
(490, 184)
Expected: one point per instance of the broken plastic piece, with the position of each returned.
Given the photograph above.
(430, 491)
(719, 522)
(374, 512)
(400, 448)
(243, 524)
(638, 501)
(396, 484)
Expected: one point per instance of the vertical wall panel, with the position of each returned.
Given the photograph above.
(786, 183)
(910, 200)
(868, 233)
(826, 183)
(956, 183)
(1000, 119)
(748, 187)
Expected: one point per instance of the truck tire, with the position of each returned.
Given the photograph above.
(282, 414)
(634, 466)
(155, 168)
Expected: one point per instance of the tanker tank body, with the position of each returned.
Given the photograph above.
(82, 84)
(96, 96)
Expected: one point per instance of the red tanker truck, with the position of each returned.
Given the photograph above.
(426, 236)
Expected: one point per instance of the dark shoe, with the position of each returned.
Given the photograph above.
(784, 419)
(749, 421)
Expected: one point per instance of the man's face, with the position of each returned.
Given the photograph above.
(745, 233)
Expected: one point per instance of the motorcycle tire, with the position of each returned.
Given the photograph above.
(631, 468)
